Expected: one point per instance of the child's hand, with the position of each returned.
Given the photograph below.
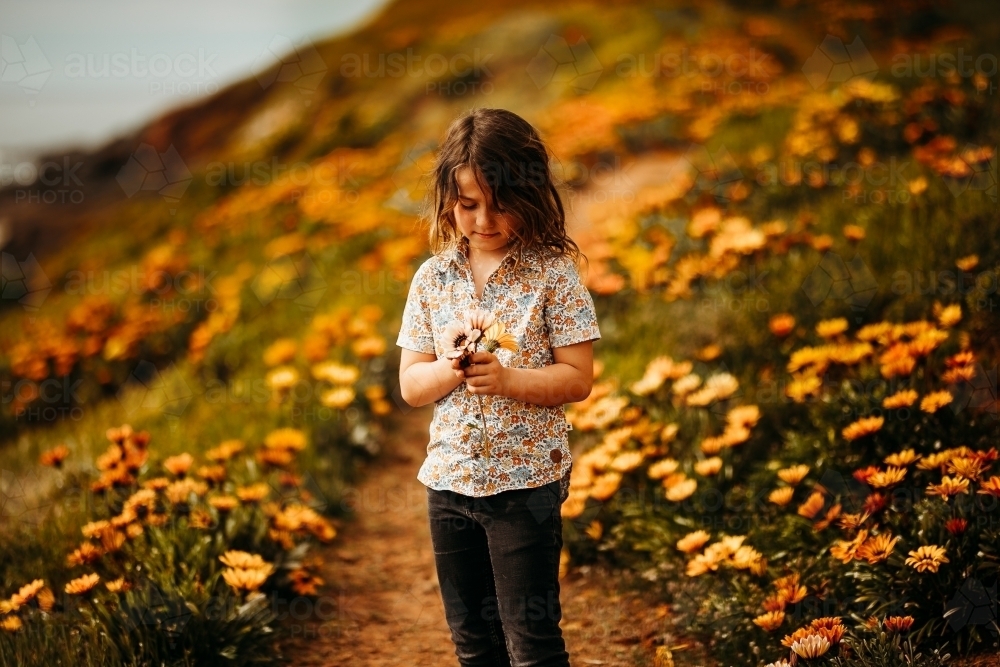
(486, 375)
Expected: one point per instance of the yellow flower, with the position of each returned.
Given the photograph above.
(831, 328)
(949, 486)
(27, 593)
(888, 477)
(241, 560)
(253, 493)
(693, 541)
(662, 468)
(708, 467)
(928, 557)
(862, 427)
(338, 398)
(950, 315)
(854, 232)
(781, 496)
(247, 580)
(605, 486)
(903, 458)
(935, 400)
(802, 387)
(82, 584)
(682, 490)
(282, 378)
(967, 263)
(335, 373)
(11, 623)
(627, 461)
(966, 466)
(793, 474)
(745, 416)
(280, 352)
(901, 399)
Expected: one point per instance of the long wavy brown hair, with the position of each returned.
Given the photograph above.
(511, 165)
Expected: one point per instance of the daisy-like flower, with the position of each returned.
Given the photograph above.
(901, 399)
(927, 558)
(781, 496)
(847, 550)
(55, 456)
(11, 623)
(793, 474)
(877, 549)
(831, 328)
(898, 623)
(682, 490)
(990, 486)
(662, 468)
(956, 526)
(852, 521)
(810, 647)
(813, 504)
(770, 621)
(888, 477)
(693, 541)
(178, 465)
(936, 400)
(967, 263)
(82, 585)
(903, 458)
(949, 486)
(966, 466)
(708, 467)
(950, 315)
(27, 593)
(862, 427)
(246, 580)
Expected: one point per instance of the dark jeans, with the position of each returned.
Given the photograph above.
(498, 566)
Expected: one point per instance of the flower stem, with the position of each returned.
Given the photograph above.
(486, 438)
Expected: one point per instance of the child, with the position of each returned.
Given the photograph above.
(497, 230)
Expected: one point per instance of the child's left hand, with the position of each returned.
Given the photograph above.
(486, 375)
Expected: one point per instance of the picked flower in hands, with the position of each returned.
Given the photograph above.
(472, 343)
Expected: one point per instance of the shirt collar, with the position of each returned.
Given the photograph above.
(459, 255)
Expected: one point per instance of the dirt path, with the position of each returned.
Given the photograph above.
(382, 606)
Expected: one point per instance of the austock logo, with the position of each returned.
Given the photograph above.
(23, 282)
(978, 393)
(23, 64)
(558, 60)
(285, 61)
(164, 173)
(835, 62)
(833, 278)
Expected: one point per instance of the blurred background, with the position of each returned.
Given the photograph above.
(209, 217)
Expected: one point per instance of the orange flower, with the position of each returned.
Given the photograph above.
(847, 550)
(898, 623)
(966, 466)
(956, 526)
(781, 324)
(901, 399)
(782, 496)
(813, 504)
(949, 486)
(991, 486)
(888, 477)
(852, 521)
(55, 456)
(770, 621)
(903, 458)
(877, 549)
(862, 427)
(793, 474)
(929, 557)
(179, 465)
(936, 400)
(693, 541)
(82, 585)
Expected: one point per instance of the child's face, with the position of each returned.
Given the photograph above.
(485, 228)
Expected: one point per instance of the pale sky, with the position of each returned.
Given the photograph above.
(56, 92)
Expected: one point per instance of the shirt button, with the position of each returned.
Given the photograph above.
(555, 455)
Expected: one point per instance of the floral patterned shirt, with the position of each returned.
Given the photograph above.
(544, 305)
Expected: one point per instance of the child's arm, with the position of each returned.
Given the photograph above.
(423, 378)
(568, 380)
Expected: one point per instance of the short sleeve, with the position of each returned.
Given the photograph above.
(570, 316)
(415, 332)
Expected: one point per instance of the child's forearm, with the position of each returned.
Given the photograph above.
(553, 385)
(428, 381)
